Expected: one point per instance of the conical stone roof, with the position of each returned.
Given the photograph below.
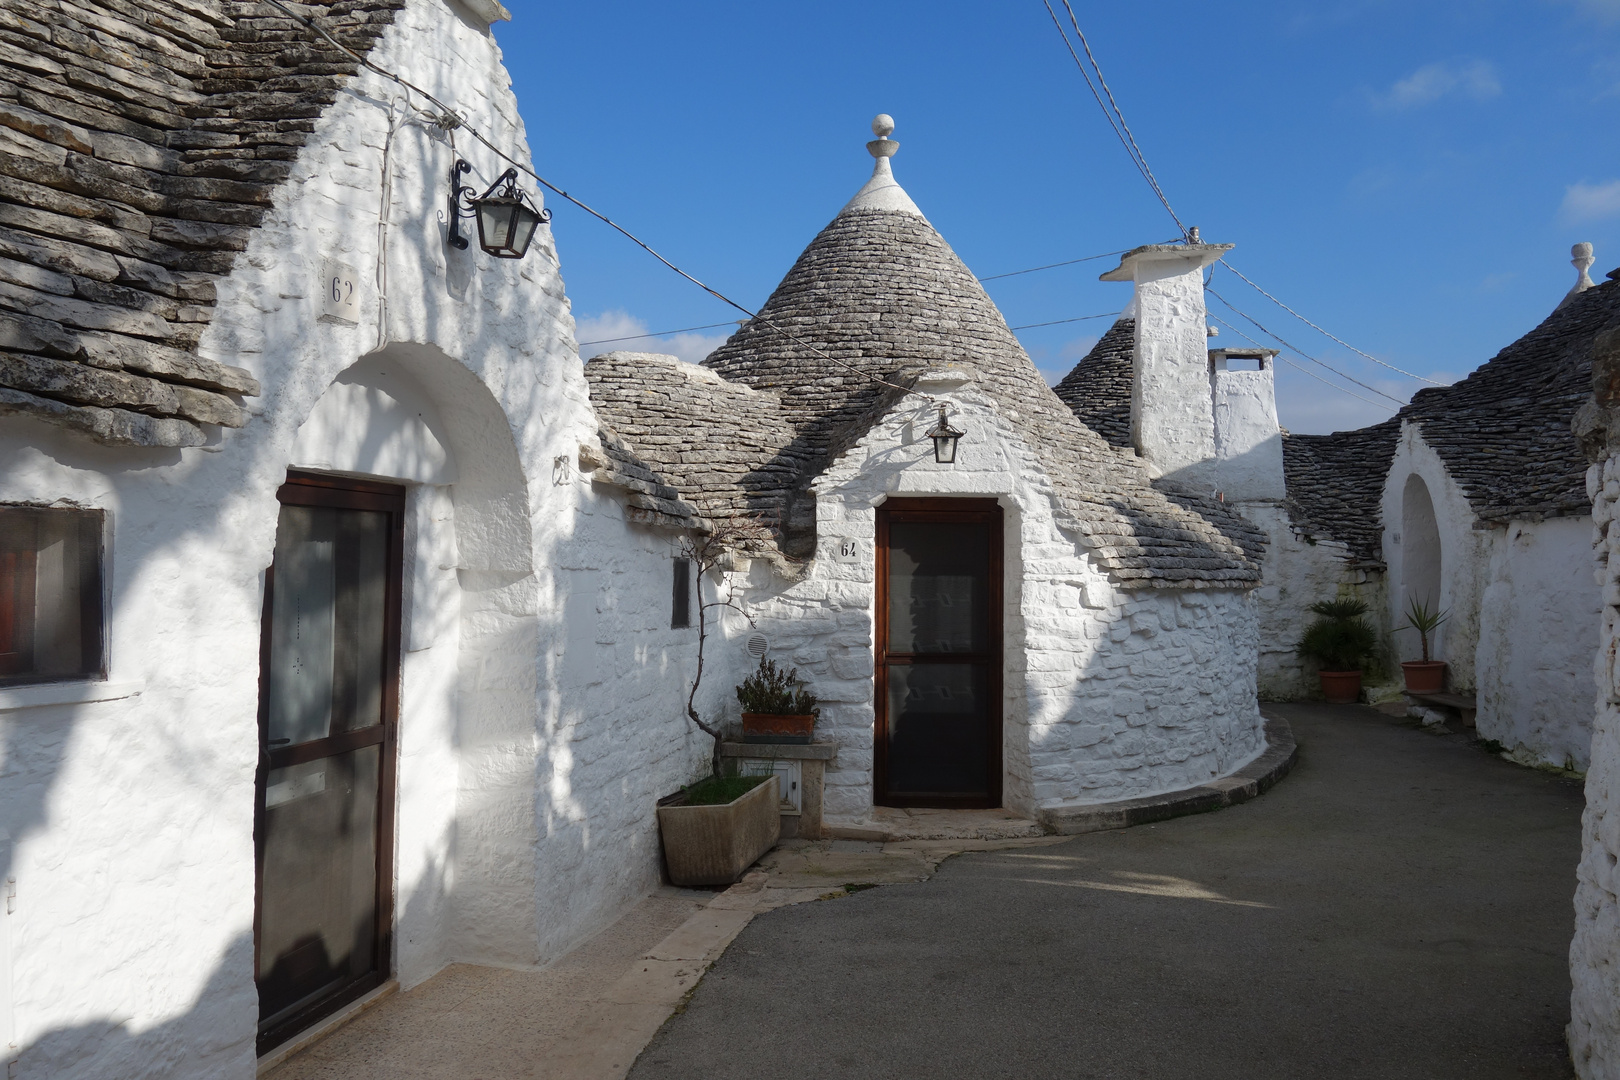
(876, 300)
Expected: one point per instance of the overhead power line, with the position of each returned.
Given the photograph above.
(660, 333)
(453, 121)
(1290, 345)
(1111, 110)
(1323, 332)
(1055, 322)
(1053, 266)
(1300, 367)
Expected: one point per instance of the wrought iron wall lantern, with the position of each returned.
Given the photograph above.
(945, 439)
(506, 217)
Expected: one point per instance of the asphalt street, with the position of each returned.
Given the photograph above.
(1399, 906)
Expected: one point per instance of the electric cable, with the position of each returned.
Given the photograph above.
(1290, 345)
(1323, 332)
(452, 121)
(1121, 130)
(1056, 322)
(659, 333)
(1300, 367)
(1053, 266)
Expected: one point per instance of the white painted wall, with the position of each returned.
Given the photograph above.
(1298, 573)
(1464, 554)
(1538, 638)
(1248, 442)
(1594, 1028)
(525, 804)
(1108, 694)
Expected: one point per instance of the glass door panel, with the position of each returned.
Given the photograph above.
(330, 662)
(939, 646)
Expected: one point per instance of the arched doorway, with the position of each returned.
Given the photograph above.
(1421, 560)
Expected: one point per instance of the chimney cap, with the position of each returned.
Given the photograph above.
(1195, 256)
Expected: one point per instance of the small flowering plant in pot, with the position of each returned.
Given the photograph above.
(776, 708)
(1340, 640)
(1424, 676)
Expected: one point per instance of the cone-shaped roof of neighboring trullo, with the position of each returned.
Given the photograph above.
(877, 300)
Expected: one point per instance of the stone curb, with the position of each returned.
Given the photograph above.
(1251, 781)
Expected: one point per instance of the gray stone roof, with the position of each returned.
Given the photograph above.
(1335, 486)
(1504, 431)
(1098, 390)
(140, 144)
(880, 291)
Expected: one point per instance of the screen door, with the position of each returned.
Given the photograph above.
(938, 674)
(329, 664)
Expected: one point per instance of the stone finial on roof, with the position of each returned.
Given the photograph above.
(1582, 262)
(882, 192)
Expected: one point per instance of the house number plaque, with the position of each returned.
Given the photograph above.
(340, 292)
(846, 550)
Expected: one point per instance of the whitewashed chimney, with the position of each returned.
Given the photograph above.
(1248, 440)
(1172, 419)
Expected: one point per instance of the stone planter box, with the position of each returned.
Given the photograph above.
(713, 845)
(799, 769)
(761, 727)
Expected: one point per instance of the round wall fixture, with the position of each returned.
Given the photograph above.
(758, 646)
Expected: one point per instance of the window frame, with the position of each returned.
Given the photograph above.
(680, 587)
(92, 584)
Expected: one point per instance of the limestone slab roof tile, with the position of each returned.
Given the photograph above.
(879, 295)
(1098, 390)
(1335, 485)
(140, 143)
(1504, 431)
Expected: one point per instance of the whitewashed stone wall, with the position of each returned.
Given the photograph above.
(1248, 442)
(1538, 622)
(1465, 559)
(1594, 953)
(1108, 694)
(1298, 573)
(526, 785)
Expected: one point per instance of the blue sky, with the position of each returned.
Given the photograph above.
(1410, 175)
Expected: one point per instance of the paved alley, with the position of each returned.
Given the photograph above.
(1400, 906)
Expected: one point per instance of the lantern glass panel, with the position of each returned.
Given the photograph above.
(524, 222)
(494, 224)
(945, 449)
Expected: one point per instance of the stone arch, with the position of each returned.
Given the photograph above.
(1421, 557)
(412, 413)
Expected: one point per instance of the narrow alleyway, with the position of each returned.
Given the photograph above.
(1400, 906)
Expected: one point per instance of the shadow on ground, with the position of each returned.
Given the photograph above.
(1400, 906)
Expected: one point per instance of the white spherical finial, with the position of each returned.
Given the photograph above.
(882, 125)
(1582, 261)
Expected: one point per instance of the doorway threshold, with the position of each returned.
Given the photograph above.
(892, 824)
(313, 1035)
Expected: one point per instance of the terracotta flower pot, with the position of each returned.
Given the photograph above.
(761, 727)
(1424, 676)
(713, 845)
(1340, 687)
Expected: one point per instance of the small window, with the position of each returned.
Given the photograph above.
(680, 608)
(50, 594)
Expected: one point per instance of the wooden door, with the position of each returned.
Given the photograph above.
(328, 688)
(939, 653)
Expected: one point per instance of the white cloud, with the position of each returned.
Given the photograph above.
(617, 330)
(1591, 202)
(1473, 79)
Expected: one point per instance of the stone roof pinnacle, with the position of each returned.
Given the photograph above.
(1582, 262)
(882, 192)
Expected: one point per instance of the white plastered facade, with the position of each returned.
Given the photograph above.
(1521, 610)
(541, 689)
(1107, 693)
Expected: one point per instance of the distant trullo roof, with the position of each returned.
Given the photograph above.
(879, 295)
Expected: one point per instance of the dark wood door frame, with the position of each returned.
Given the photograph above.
(944, 510)
(344, 493)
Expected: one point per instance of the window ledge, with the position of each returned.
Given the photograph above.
(67, 693)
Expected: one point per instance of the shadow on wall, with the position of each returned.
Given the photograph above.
(109, 1048)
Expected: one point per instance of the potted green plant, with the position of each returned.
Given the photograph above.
(1340, 640)
(776, 708)
(1424, 676)
(717, 828)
